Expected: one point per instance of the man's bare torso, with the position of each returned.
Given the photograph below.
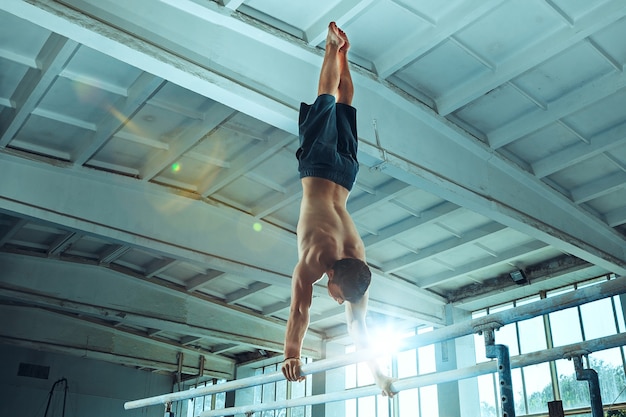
(326, 232)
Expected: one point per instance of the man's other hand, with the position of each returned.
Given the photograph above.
(291, 369)
(384, 383)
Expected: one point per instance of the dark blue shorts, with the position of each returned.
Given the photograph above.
(328, 141)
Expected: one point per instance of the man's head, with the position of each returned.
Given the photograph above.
(352, 276)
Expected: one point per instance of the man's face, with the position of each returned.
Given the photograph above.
(335, 292)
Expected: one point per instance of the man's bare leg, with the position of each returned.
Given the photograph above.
(331, 70)
(345, 92)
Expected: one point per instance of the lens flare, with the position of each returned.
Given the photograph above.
(257, 227)
(175, 167)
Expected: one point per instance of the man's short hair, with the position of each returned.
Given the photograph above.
(353, 276)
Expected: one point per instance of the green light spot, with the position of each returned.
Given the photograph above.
(257, 227)
(175, 167)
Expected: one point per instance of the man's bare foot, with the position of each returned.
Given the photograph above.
(346, 43)
(335, 37)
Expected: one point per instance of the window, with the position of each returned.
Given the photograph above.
(359, 375)
(208, 402)
(282, 390)
(534, 386)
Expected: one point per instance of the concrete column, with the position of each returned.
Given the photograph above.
(457, 398)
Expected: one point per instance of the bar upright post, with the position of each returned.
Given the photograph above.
(503, 360)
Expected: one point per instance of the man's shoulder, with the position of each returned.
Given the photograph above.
(314, 262)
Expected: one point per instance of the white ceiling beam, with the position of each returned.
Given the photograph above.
(159, 266)
(55, 53)
(502, 257)
(49, 328)
(431, 251)
(602, 142)
(191, 136)
(410, 48)
(560, 40)
(251, 157)
(342, 13)
(274, 202)
(38, 281)
(145, 86)
(12, 231)
(202, 279)
(616, 217)
(478, 179)
(242, 293)
(16, 57)
(392, 231)
(377, 197)
(276, 307)
(571, 102)
(62, 243)
(599, 187)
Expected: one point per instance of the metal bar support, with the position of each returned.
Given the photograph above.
(528, 359)
(560, 302)
(501, 354)
(591, 376)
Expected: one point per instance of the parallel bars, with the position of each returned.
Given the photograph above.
(560, 302)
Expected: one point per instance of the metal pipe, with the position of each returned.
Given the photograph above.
(548, 305)
(591, 376)
(501, 354)
(519, 361)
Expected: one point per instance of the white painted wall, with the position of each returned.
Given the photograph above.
(96, 388)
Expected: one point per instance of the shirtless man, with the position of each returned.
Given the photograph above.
(328, 242)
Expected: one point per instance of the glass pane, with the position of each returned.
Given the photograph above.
(518, 394)
(565, 328)
(502, 307)
(429, 405)
(532, 335)
(351, 407)
(479, 343)
(487, 397)
(269, 394)
(538, 387)
(598, 319)
(198, 406)
(408, 403)
(281, 390)
(383, 405)
(190, 408)
(608, 365)
(426, 359)
(298, 389)
(350, 376)
(573, 393)
(367, 407)
(407, 364)
(364, 375)
(220, 400)
(507, 335)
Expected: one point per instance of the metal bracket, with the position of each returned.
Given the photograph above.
(380, 166)
(168, 409)
(488, 325)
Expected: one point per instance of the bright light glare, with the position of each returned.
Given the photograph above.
(385, 340)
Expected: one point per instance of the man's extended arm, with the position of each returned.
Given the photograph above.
(298, 322)
(355, 319)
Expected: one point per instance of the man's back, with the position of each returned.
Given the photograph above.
(326, 232)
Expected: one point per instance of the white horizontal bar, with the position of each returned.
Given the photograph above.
(429, 379)
(547, 305)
